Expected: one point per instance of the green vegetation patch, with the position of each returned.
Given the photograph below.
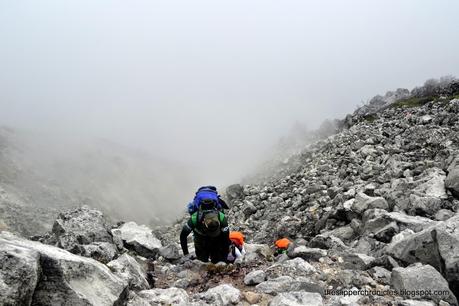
(370, 118)
(413, 102)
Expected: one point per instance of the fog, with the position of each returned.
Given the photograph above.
(211, 85)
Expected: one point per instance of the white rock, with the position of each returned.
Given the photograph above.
(221, 295)
(19, 274)
(71, 278)
(297, 298)
(127, 268)
(254, 277)
(139, 238)
(170, 296)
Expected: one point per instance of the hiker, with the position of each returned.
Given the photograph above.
(209, 226)
(237, 249)
(207, 192)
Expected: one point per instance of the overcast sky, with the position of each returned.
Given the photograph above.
(214, 80)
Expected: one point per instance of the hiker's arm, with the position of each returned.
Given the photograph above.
(186, 230)
(225, 233)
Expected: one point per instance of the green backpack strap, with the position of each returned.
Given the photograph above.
(221, 216)
(194, 219)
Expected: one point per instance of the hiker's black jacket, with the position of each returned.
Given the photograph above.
(200, 233)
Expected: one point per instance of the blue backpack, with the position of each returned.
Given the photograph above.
(207, 193)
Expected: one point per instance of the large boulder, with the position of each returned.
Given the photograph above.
(421, 282)
(19, 274)
(85, 231)
(427, 198)
(234, 192)
(67, 278)
(138, 238)
(437, 245)
(127, 268)
(385, 224)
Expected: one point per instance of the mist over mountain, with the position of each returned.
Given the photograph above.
(38, 171)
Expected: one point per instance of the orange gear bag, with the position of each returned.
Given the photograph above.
(282, 243)
(237, 238)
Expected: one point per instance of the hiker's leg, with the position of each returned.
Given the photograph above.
(200, 246)
(219, 250)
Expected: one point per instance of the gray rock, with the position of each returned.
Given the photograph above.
(157, 296)
(248, 208)
(100, 251)
(416, 303)
(363, 202)
(426, 119)
(382, 219)
(437, 246)
(70, 278)
(84, 231)
(432, 185)
(327, 242)
(234, 192)
(297, 298)
(386, 233)
(380, 274)
(139, 238)
(452, 180)
(257, 252)
(221, 295)
(307, 253)
(288, 284)
(357, 261)
(19, 274)
(385, 261)
(424, 205)
(296, 266)
(254, 277)
(170, 252)
(421, 277)
(344, 233)
(127, 268)
(443, 214)
(402, 235)
(187, 278)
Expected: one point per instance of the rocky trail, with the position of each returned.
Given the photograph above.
(372, 212)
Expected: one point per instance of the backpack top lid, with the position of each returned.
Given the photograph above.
(206, 192)
(207, 187)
